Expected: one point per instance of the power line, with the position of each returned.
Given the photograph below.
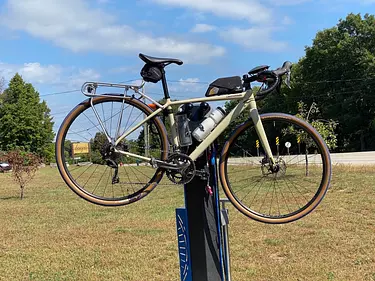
(189, 82)
(332, 94)
(339, 80)
(60, 93)
(206, 83)
(78, 90)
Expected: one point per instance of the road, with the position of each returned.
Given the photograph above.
(351, 158)
(354, 158)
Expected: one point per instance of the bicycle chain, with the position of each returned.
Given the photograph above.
(203, 173)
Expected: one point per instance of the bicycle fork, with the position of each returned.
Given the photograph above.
(260, 131)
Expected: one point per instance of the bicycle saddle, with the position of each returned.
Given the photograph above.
(153, 60)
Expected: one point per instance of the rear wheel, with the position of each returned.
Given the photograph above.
(86, 159)
(289, 190)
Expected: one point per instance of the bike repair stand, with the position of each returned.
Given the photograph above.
(202, 228)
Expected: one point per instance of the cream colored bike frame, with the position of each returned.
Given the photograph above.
(247, 100)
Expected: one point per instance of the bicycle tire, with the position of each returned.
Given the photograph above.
(320, 192)
(75, 187)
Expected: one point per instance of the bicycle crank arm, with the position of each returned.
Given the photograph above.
(168, 166)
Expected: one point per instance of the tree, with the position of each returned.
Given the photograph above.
(326, 128)
(338, 73)
(24, 166)
(96, 146)
(2, 85)
(25, 122)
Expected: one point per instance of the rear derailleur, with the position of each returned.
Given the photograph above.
(110, 156)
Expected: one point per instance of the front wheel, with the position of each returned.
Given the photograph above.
(286, 191)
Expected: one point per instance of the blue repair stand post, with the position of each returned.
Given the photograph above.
(202, 228)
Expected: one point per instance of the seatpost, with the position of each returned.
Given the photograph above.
(165, 86)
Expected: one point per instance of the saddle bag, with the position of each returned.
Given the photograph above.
(151, 73)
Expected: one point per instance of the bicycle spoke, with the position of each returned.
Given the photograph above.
(109, 117)
(280, 193)
(90, 176)
(99, 180)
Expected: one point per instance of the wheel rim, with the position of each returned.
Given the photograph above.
(96, 181)
(287, 194)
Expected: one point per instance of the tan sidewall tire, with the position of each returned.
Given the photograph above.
(61, 166)
(326, 168)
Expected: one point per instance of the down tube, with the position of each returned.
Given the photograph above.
(220, 128)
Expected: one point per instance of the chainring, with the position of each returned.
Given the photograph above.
(183, 175)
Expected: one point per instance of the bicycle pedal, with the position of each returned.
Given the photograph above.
(203, 174)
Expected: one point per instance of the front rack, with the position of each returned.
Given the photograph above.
(89, 89)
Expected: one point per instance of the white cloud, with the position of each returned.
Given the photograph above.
(83, 75)
(37, 73)
(255, 38)
(187, 86)
(288, 2)
(250, 10)
(188, 81)
(202, 28)
(75, 25)
(287, 21)
(32, 72)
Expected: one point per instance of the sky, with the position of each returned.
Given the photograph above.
(57, 45)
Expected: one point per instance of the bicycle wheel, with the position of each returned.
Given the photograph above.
(299, 181)
(97, 174)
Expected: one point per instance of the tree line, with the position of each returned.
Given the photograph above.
(336, 77)
(337, 74)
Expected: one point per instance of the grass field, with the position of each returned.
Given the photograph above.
(54, 235)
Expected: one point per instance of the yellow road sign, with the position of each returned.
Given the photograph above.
(257, 143)
(80, 148)
(277, 141)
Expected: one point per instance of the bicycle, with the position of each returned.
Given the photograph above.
(130, 150)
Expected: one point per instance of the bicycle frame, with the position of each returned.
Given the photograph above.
(247, 99)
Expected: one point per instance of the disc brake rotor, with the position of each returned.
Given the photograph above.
(279, 168)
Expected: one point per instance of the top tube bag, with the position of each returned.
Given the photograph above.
(225, 86)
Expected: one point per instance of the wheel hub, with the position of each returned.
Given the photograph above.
(277, 170)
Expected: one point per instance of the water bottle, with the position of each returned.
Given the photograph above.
(208, 124)
(183, 130)
(182, 120)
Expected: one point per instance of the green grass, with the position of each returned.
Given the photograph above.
(54, 235)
